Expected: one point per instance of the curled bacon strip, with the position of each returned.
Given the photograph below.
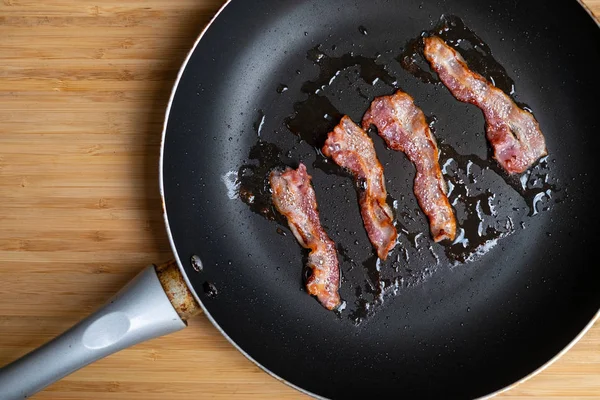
(513, 133)
(294, 197)
(351, 148)
(403, 127)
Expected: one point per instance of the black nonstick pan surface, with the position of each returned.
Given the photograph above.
(262, 87)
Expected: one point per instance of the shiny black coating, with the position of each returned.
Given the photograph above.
(462, 332)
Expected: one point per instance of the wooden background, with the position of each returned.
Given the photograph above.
(83, 88)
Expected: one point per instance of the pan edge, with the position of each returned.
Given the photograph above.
(531, 375)
(583, 332)
(589, 11)
(549, 363)
(166, 217)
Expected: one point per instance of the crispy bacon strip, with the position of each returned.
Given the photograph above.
(513, 133)
(294, 197)
(351, 148)
(403, 127)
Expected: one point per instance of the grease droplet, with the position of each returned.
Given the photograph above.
(210, 290)
(282, 88)
(197, 263)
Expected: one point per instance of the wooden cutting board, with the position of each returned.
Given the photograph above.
(83, 88)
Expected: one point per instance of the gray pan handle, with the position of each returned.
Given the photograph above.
(151, 305)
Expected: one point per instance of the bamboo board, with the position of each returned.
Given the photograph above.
(83, 88)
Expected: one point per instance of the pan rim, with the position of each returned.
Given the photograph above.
(507, 388)
(166, 217)
(589, 11)
(542, 368)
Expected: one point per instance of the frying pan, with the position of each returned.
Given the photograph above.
(419, 325)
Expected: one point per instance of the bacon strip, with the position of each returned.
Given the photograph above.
(514, 133)
(294, 197)
(403, 127)
(351, 148)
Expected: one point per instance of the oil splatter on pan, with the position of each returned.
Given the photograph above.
(458, 319)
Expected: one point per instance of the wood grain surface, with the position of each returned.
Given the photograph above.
(83, 88)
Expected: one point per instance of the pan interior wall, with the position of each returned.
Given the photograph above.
(459, 331)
